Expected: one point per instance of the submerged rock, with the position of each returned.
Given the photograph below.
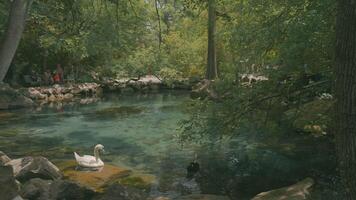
(298, 191)
(187, 186)
(11, 98)
(63, 189)
(34, 167)
(36, 189)
(40, 189)
(95, 180)
(119, 192)
(8, 185)
(203, 197)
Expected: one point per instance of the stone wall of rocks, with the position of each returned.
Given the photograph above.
(144, 83)
(63, 93)
(36, 178)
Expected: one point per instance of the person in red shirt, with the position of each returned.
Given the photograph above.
(56, 77)
(60, 72)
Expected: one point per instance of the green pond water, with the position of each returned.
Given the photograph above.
(139, 132)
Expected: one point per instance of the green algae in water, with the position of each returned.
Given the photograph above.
(143, 182)
(115, 112)
(9, 133)
(8, 117)
(122, 110)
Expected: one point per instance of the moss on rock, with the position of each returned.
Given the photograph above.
(96, 180)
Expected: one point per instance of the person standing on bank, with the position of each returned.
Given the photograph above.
(60, 73)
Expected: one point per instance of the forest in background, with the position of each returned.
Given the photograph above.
(169, 37)
(290, 43)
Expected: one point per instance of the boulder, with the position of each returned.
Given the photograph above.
(52, 98)
(95, 180)
(119, 192)
(11, 98)
(34, 167)
(8, 185)
(203, 197)
(149, 79)
(36, 189)
(298, 191)
(63, 189)
(40, 189)
(68, 97)
(4, 158)
(36, 94)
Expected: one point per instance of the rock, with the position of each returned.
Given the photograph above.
(248, 79)
(11, 98)
(35, 94)
(186, 186)
(40, 189)
(149, 79)
(36, 189)
(118, 192)
(58, 93)
(298, 191)
(34, 167)
(95, 180)
(86, 101)
(203, 197)
(8, 185)
(63, 189)
(4, 158)
(129, 85)
(52, 98)
(18, 197)
(68, 97)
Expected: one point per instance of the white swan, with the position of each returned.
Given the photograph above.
(91, 161)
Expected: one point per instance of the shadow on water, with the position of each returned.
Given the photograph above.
(80, 136)
(112, 113)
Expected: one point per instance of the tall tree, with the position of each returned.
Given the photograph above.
(211, 70)
(157, 3)
(345, 94)
(12, 37)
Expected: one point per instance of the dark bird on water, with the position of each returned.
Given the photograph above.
(193, 168)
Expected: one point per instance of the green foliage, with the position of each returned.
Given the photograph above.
(288, 42)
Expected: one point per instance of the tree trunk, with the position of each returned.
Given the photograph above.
(345, 94)
(211, 70)
(159, 24)
(12, 37)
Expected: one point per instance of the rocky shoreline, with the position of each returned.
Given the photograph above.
(36, 178)
(27, 97)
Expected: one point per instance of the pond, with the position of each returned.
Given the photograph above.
(139, 132)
